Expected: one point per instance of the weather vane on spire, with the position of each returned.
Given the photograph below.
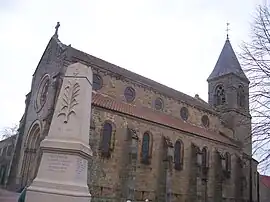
(56, 29)
(227, 30)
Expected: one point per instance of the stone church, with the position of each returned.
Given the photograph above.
(149, 141)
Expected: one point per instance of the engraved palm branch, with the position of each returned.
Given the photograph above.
(71, 93)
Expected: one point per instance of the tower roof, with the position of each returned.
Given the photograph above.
(227, 64)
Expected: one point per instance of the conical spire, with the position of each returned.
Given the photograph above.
(227, 64)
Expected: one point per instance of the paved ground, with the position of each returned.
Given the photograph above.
(7, 196)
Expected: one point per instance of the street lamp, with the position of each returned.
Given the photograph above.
(146, 200)
(128, 200)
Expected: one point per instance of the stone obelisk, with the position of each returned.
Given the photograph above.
(62, 174)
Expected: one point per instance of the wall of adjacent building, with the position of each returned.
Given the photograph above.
(6, 153)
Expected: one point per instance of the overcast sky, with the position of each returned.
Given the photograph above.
(175, 42)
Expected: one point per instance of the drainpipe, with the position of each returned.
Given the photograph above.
(250, 180)
(258, 186)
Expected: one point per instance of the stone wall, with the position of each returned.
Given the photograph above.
(106, 180)
(146, 96)
(6, 153)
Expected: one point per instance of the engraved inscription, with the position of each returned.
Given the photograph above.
(76, 72)
(80, 168)
(70, 100)
(58, 163)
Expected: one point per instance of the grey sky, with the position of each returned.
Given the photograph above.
(173, 42)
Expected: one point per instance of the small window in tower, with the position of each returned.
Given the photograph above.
(184, 113)
(205, 121)
(220, 95)
(158, 104)
(129, 94)
(241, 96)
(97, 82)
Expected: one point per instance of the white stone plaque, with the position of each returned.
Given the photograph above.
(58, 163)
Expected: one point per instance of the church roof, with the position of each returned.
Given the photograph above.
(227, 64)
(170, 92)
(265, 180)
(148, 114)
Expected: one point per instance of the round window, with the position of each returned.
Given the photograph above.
(158, 104)
(42, 92)
(97, 82)
(184, 113)
(205, 121)
(129, 94)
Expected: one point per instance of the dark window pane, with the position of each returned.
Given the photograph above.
(177, 155)
(184, 113)
(241, 96)
(9, 150)
(106, 139)
(145, 147)
(2, 174)
(220, 95)
(228, 161)
(158, 104)
(97, 82)
(4, 152)
(129, 94)
(204, 157)
(205, 121)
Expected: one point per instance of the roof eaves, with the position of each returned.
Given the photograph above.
(170, 92)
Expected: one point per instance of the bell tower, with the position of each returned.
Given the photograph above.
(228, 93)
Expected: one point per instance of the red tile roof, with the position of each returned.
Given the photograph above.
(148, 114)
(265, 180)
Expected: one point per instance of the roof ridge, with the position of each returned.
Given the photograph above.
(161, 88)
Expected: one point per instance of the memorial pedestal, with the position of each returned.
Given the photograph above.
(62, 174)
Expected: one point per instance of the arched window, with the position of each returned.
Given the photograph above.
(228, 161)
(220, 95)
(178, 155)
(241, 96)
(2, 174)
(205, 158)
(106, 140)
(146, 148)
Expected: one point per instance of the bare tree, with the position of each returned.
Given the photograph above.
(255, 58)
(8, 132)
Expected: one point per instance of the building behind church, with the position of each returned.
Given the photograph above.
(149, 141)
(6, 155)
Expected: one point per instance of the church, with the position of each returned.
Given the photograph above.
(149, 141)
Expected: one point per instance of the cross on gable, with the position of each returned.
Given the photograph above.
(56, 29)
